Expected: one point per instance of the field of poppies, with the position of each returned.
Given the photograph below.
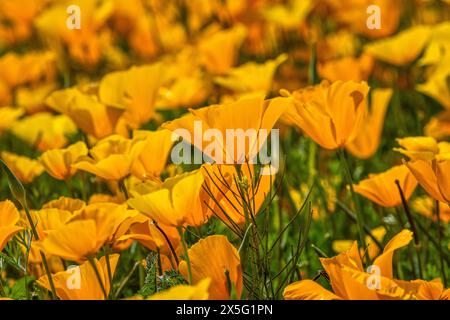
(225, 149)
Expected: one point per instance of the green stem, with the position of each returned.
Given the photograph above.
(43, 257)
(359, 219)
(413, 227)
(123, 188)
(108, 267)
(441, 255)
(186, 255)
(97, 274)
(2, 290)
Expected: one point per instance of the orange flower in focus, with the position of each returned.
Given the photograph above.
(349, 280)
(331, 114)
(176, 202)
(253, 117)
(382, 188)
(433, 176)
(215, 257)
(368, 140)
(81, 282)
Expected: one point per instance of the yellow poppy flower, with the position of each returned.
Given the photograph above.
(290, 16)
(439, 126)
(353, 15)
(331, 114)
(215, 257)
(219, 50)
(418, 148)
(112, 220)
(182, 92)
(8, 116)
(58, 162)
(27, 68)
(44, 130)
(49, 219)
(32, 100)
(401, 49)
(25, 169)
(63, 203)
(433, 176)
(91, 116)
(436, 85)
(81, 282)
(85, 44)
(367, 141)
(347, 69)
(9, 216)
(250, 113)
(426, 206)
(176, 202)
(251, 77)
(382, 189)
(185, 292)
(93, 226)
(134, 90)
(110, 159)
(148, 164)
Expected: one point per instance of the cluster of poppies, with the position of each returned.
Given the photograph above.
(94, 95)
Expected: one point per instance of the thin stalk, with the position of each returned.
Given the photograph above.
(359, 219)
(43, 257)
(2, 290)
(108, 267)
(97, 274)
(125, 280)
(186, 255)
(413, 227)
(172, 249)
(441, 255)
(123, 188)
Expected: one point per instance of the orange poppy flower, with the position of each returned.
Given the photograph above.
(9, 216)
(250, 113)
(110, 159)
(215, 257)
(382, 188)
(134, 90)
(367, 141)
(349, 280)
(90, 115)
(25, 169)
(148, 164)
(58, 162)
(331, 114)
(81, 282)
(176, 202)
(433, 176)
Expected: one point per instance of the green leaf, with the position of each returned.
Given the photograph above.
(16, 187)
